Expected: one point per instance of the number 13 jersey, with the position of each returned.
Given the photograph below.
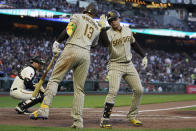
(86, 33)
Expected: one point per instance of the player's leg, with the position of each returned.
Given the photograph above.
(79, 77)
(19, 93)
(22, 95)
(133, 80)
(62, 66)
(17, 90)
(23, 106)
(114, 77)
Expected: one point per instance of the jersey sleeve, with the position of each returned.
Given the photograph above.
(108, 32)
(103, 38)
(95, 41)
(74, 18)
(132, 37)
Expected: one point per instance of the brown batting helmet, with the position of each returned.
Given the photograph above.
(91, 9)
(112, 15)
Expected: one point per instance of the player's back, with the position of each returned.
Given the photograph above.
(86, 32)
(27, 73)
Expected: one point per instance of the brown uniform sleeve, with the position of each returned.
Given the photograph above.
(103, 38)
(62, 36)
(137, 48)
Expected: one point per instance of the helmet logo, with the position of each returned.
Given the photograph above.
(111, 13)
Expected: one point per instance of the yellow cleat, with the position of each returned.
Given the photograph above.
(36, 115)
(42, 113)
(105, 124)
(136, 122)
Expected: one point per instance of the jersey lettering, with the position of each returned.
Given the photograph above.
(91, 22)
(121, 40)
(89, 31)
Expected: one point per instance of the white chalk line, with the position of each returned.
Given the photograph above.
(153, 110)
(173, 108)
(156, 116)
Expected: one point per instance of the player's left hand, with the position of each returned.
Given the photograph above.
(36, 85)
(55, 47)
(102, 21)
(144, 62)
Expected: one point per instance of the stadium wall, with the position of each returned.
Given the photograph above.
(101, 87)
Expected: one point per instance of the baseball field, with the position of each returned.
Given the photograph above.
(157, 112)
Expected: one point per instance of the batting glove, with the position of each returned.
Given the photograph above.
(41, 88)
(102, 21)
(144, 62)
(55, 47)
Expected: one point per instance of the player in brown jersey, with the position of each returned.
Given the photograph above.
(83, 32)
(119, 40)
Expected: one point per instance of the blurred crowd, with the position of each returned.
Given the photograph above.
(192, 26)
(17, 49)
(139, 17)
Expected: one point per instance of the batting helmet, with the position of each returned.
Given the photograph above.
(38, 60)
(112, 15)
(91, 9)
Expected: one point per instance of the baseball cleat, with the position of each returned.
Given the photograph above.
(26, 112)
(136, 122)
(105, 124)
(76, 127)
(19, 110)
(78, 124)
(36, 115)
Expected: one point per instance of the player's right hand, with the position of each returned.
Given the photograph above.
(55, 47)
(37, 85)
(144, 62)
(102, 21)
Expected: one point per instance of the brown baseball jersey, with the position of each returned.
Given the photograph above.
(86, 33)
(119, 48)
(75, 56)
(120, 66)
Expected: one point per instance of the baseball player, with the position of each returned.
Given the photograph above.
(82, 33)
(22, 87)
(119, 39)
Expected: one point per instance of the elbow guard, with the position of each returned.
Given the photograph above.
(71, 27)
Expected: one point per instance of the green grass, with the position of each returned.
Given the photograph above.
(31, 128)
(94, 101)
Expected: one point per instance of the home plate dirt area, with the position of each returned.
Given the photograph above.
(153, 116)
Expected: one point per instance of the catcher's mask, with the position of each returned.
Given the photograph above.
(38, 60)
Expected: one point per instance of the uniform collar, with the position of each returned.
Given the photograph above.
(117, 30)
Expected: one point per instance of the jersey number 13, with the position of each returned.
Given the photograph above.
(88, 31)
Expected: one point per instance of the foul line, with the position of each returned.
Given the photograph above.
(173, 108)
(156, 116)
(153, 110)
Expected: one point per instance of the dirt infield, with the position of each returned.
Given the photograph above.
(153, 116)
